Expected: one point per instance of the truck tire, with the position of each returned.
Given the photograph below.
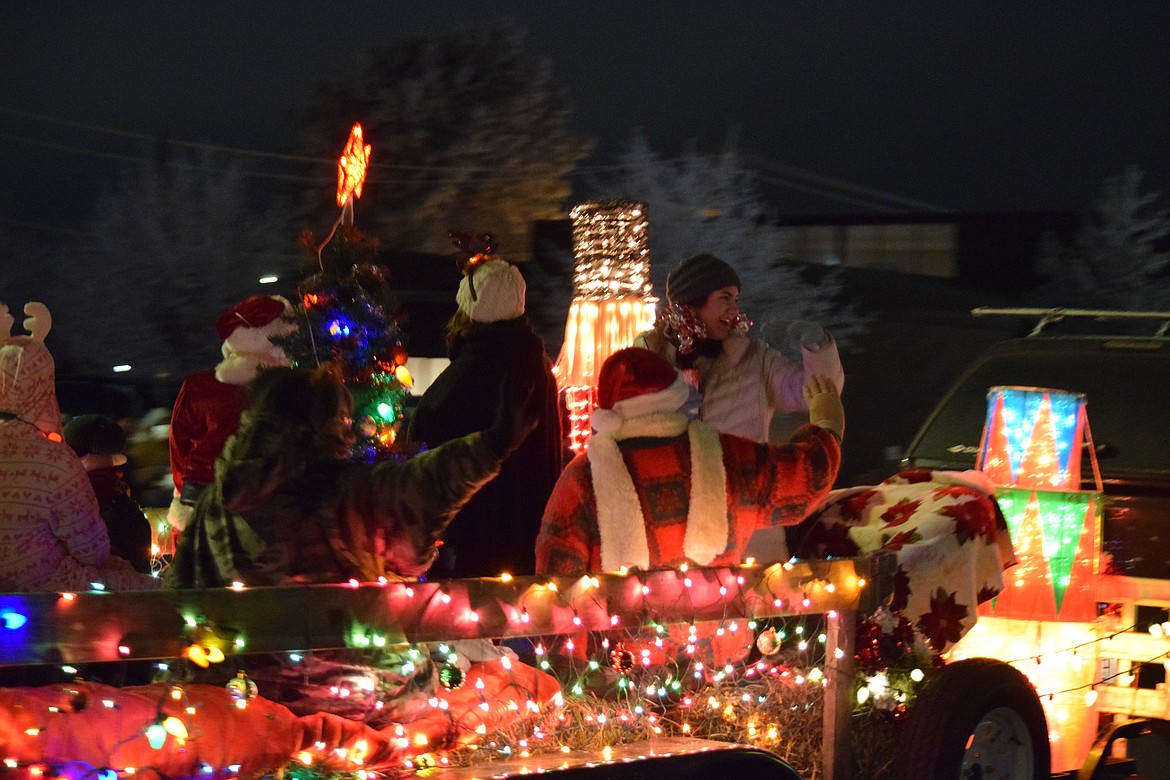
(977, 718)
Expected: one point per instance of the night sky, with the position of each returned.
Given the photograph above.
(985, 106)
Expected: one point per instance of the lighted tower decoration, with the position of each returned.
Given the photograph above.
(1031, 450)
(611, 304)
(348, 311)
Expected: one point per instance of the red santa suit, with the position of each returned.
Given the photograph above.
(655, 489)
(208, 408)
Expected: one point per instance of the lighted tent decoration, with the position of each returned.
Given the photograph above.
(1031, 450)
(612, 301)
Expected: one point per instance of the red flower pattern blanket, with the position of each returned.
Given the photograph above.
(948, 535)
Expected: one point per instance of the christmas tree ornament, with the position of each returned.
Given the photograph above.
(768, 642)
(242, 687)
(366, 426)
(451, 676)
(621, 660)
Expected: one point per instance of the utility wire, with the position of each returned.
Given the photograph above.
(790, 171)
(824, 193)
(778, 174)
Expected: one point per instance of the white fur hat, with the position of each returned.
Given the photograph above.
(492, 291)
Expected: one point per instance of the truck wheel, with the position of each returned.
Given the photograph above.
(978, 718)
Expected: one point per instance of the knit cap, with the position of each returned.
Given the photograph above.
(697, 277)
(492, 291)
(96, 434)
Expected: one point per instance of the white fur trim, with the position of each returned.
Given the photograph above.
(706, 535)
(179, 514)
(621, 525)
(247, 349)
(605, 421)
(669, 399)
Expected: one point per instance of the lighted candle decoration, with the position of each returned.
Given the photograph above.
(612, 300)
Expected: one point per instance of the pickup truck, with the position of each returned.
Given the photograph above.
(1124, 379)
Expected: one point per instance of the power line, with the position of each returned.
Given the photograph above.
(825, 193)
(44, 228)
(788, 172)
(778, 174)
(278, 156)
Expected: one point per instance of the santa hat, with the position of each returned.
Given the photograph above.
(634, 382)
(639, 396)
(247, 330)
(492, 291)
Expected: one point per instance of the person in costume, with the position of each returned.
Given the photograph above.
(208, 407)
(655, 489)
(739, 381)
(52, 536)
(491, 343)
(287, 505)
(101, 444)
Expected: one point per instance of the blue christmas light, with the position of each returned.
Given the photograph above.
(12, 620)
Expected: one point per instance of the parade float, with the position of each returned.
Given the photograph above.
(833, 662)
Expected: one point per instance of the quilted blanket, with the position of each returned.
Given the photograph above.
(946, 531)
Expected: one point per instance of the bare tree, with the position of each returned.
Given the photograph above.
(1117, 261)
(166, 249)
(469, 132)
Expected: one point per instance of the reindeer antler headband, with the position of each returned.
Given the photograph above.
(475, 249)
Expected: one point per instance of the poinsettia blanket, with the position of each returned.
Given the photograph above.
(948, 535)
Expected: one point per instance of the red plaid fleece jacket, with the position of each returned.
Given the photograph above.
(767, 485)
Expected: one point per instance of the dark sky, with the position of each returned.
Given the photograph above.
(962, 105)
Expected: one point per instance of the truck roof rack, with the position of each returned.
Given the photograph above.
(1048, 316)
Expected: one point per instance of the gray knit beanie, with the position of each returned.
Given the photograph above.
(695, 278)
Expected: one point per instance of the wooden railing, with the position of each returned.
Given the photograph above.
(87, 627)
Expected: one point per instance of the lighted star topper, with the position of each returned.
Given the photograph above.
(351, 168)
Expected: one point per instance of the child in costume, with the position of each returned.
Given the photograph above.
(101, 444)
(52, 536)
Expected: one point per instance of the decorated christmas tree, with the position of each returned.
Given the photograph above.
(347, 313)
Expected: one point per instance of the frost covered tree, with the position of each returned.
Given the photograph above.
(711, 203)
(165, 250)
(469, 132)
(1118, 260)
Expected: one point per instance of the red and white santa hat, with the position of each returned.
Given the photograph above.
(636, 382)
(247, 330)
